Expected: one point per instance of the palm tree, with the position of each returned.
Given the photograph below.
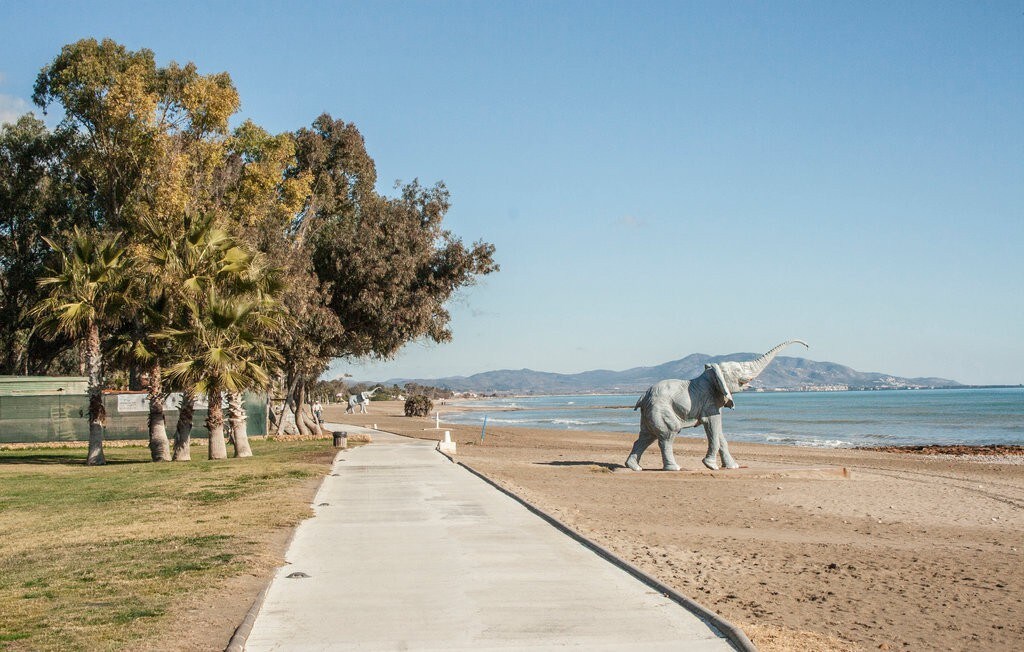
(187, 262)
(86, 290)
(257, 279)
(175, 267)
(225, 350)
(137, 344)
(225, 311)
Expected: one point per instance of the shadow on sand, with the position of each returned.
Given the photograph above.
(611, 466)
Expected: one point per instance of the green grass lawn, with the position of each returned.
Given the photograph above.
(96, 558)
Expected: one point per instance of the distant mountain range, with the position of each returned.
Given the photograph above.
(784, 373)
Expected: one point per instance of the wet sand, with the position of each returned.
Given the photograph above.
(902, 551)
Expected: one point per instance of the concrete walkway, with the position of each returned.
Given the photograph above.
(408, 551)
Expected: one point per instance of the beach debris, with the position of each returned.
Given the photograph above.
(955, 450)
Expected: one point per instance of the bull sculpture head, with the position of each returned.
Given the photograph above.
(719, 383)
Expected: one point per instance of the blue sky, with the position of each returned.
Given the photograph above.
(658, 178)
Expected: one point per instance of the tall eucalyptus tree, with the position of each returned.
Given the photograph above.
(143, 137)
(381, 269)
(144, 142)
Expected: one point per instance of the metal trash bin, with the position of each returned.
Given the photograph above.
(341, 439)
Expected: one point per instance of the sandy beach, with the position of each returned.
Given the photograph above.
(899, 551)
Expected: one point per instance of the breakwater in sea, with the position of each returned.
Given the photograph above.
(823, 419)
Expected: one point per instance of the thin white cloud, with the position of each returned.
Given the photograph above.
(12, 108)
(631, 222)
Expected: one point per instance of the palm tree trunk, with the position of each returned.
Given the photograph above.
(159, 447)
(236, 413)
(183, 430)
(97, 413)
(215, 425)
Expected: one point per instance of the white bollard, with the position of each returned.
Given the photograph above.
(447, 446)
(437, 420)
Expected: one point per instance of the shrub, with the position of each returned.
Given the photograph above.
(418, 406)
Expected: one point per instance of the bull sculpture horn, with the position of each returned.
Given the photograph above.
(753, 368)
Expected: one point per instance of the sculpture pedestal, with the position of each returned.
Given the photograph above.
(447, 446)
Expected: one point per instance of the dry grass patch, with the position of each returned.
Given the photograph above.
(108, 557)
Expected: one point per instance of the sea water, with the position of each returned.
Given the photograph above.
(822, 419)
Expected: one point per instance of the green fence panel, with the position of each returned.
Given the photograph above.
(32, 419)
(54, 418)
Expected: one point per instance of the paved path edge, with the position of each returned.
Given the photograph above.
(735, 635)
(241, 634)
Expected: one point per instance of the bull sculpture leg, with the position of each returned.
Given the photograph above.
(668, 459)
(717, 444)
(639, 446)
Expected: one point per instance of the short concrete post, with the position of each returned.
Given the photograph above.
(447, 446)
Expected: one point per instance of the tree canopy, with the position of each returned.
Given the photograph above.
(144, 149)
